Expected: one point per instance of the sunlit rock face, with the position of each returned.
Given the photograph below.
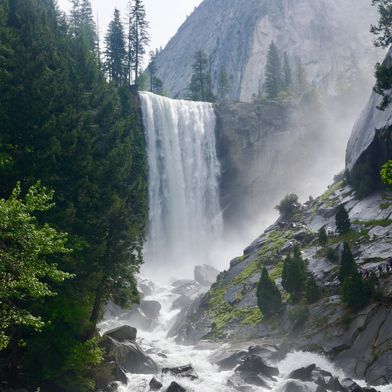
(331, 37)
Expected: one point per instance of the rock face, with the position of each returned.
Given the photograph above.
(205, 274)
(237, 33)
(229, 310)
(370, 144)
(266, 150)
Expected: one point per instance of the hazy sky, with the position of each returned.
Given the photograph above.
(165, 16)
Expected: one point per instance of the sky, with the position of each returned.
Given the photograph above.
(165, 16)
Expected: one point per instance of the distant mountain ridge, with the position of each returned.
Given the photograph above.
(331, 37)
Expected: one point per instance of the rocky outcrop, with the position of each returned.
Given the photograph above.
(229, 309)
(370, 144)
(236, 34)
(266, 150)
(205, 274)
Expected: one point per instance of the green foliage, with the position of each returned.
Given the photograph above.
(273, 83)
(332, 255)
(200, 87)
(27, 253)
(156, 84)
(312, 292)
(386, 173)
(342, 220)
(322, 237)
(288, 205)
(347, 263)
(298, 316)
(384, 27)
(63, 123)
(223, 84)
(293, 275)
(115, 52)
(268, 295)
(354, 291)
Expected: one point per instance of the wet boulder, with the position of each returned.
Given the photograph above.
(123, 334)
(256, 365)
(297, 386)
(231, 361)
(128, 356)
(185, 371)
(174, 387)
(303, 374)
(107, 373)
(205, 274)
(155, 384)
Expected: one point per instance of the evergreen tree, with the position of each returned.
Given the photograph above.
(268, 295)
(82, 22)
(293, 275)
(312, 292)
(273, 82)
(223, 84)
(200, 86)
(354, 292)
(138, 36)
(342, 220)
(301, 83)
(287, 75)
(115, 50)
(322, 237)
(384, 27)
(156, 84)
(347, 263)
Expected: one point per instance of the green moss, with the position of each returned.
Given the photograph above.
(373, 223)
(331, 191)
(277, 271)
(385, 205)
(253, 316)
(251, 269)
(276, 240)
(351, 237)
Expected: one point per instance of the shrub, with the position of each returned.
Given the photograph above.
(386, 173)
(322, 237)
(288, 205)
(331, 254)
(312, 292)
(355, 293)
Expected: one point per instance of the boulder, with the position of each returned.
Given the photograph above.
(145, 315)
(124, 333)
(155, 384)
(151, 309)
(303, 374)
(174, 387)
(107, 373)
(295, 386)
(205, 274)
(231, 361)
(128, 355)
(185, 371)
(255, 364)
(182, 302)
(268, 352)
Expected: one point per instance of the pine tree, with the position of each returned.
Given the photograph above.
(347, 263)
(312, 292)
(301, 83)
(354, 292)
(322, 237)
(273, 82)
(293, 275)
(138, 37)
(342, 220)
(268, 295)
(115, 50)
(223, 84)
(287, 75)
(200, 86)
(156, 84)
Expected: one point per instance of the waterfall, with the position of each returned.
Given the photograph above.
(185, 219)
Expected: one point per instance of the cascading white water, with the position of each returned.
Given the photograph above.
(185, 219)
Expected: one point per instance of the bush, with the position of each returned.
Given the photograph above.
(347, 264)
(331, 254)
(288, 205)
(269, 299)
(298, 316)
(386, 173)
